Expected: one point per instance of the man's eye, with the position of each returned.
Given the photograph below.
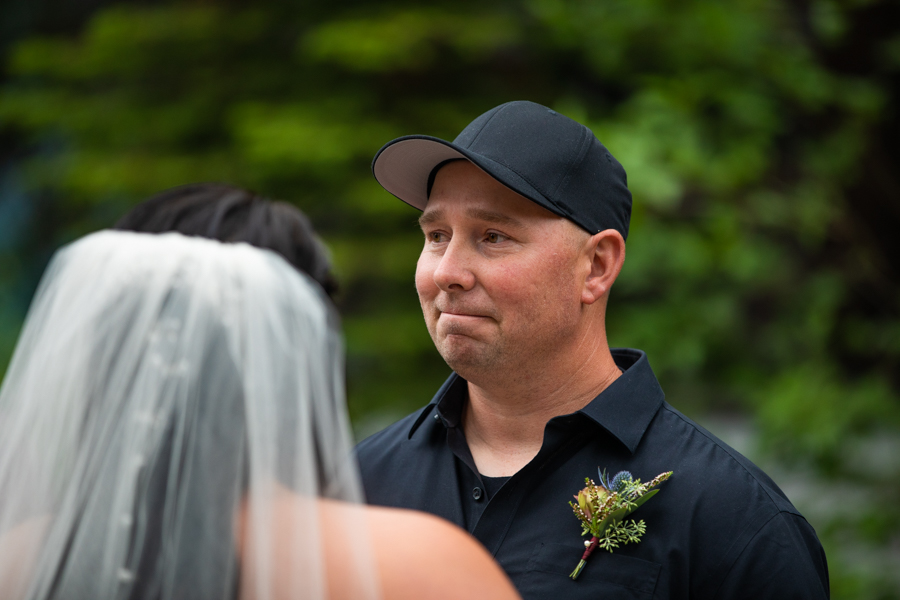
(494, 238)
(435, 236)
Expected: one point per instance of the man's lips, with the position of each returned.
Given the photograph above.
(454, 313)
(463, 312)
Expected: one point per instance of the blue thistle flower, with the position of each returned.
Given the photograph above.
(619, 481)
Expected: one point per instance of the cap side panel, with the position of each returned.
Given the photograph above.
(484, 126)
(586, 139)
(605, 200)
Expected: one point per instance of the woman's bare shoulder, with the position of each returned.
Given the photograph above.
(19, 548)
(422, 556)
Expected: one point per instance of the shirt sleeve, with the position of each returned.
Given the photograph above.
(783, 560)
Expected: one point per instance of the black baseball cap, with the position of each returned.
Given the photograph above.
(533, 150)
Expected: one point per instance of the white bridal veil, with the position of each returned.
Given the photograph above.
(166, 395)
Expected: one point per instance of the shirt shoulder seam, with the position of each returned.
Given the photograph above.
(756, 533)
(726, 450)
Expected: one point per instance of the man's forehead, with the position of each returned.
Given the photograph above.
(463, 188)
(436, 214)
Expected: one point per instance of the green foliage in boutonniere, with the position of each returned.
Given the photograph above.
(602, 510)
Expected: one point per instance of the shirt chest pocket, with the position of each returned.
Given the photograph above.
(608, 576)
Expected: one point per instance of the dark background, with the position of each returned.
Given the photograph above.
(761, 140)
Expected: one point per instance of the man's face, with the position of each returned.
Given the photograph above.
(499, 278)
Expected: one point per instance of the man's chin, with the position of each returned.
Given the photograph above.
(467, 357)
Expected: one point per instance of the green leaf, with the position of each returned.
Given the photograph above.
(643, 499)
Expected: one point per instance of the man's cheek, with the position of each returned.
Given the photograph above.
(424, 285)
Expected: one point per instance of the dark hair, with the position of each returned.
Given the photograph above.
(231, 214)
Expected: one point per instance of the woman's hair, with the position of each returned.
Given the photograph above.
(231, 214)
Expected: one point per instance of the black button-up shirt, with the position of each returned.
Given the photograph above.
(719, 528)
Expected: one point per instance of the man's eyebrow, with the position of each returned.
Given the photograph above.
(493, 217)
(430, 217)
(476, 213)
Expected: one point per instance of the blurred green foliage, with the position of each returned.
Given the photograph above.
(760, 139)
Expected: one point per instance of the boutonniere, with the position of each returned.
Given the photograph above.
(602, 510)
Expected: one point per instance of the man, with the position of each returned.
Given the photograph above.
(525, 217)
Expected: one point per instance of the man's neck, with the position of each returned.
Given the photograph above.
(504, 421)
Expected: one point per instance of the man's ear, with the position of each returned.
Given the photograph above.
(607, 255)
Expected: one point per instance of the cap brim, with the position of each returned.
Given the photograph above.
(403, 167)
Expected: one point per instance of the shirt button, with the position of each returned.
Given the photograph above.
(477, 493)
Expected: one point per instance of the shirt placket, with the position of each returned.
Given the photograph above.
(562, 439)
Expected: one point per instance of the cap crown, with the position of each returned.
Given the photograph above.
(559, 158)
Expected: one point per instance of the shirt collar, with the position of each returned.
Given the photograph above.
(448, 401)
(624, 409)
(627, 406)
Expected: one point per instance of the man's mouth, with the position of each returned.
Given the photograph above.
(461, 312)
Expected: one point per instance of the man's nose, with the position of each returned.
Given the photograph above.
(454, 269)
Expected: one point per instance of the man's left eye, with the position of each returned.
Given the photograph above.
(494, 238)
